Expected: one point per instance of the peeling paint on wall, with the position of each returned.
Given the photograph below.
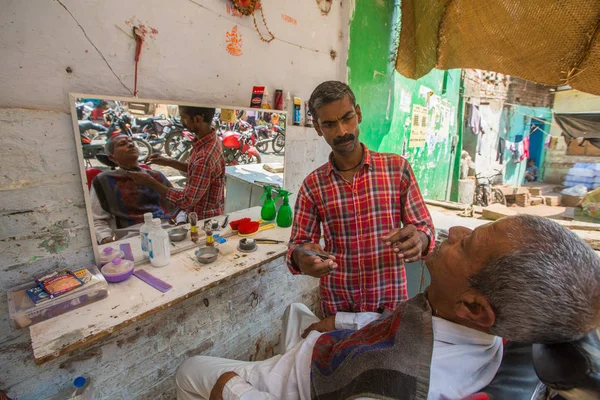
(58, 240)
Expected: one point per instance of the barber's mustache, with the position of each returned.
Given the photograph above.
(348, 137)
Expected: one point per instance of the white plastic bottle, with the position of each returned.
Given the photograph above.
(144, 230)
(159, 245)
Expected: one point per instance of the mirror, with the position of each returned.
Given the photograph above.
(117, 137)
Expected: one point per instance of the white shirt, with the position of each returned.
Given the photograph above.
(464, 361)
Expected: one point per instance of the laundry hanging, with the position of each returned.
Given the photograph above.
(474, 119)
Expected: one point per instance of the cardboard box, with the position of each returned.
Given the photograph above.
(570, 201)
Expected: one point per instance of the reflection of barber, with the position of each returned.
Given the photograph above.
(204, 192)
(117, 202)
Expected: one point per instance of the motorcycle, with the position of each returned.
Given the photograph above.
(238, 148)
(273, 134)
(279, 140)
(177, 140)
(154, 129)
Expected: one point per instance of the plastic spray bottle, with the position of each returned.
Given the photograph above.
(284, 215)
(268, 212)
(144, 230)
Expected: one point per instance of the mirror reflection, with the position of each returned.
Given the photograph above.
(167, 160)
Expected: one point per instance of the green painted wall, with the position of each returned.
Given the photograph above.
(387, 98)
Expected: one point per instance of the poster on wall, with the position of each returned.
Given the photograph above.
(405, 101)
(419, 126)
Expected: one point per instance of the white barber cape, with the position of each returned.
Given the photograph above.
(464, 361)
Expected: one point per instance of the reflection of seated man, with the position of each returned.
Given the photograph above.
(485, 284)
(117, 201)
(531, 173)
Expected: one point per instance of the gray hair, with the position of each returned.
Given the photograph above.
(109, 147)
(328, 92)
(547, 290)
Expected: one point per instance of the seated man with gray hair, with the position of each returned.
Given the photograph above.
(117, 202)
(524, 278)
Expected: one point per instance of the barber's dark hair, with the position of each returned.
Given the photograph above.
(328, 92)
(206, 113)
(546, 290)
(109, 146)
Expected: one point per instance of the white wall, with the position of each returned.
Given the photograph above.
(42, 212)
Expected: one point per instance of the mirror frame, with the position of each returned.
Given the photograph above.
(73, 96)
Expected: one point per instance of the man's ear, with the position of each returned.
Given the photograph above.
(317, 128)
(198, 119)
(475, 308)
(358, 113)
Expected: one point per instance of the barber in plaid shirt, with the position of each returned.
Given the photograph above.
(371, 210)
(204, 192)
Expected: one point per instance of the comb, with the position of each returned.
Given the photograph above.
(126, 249)
(312, 253)
(152, 280)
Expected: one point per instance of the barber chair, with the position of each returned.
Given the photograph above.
(562, 371)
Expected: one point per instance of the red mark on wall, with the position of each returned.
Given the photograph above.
(145, 30)
(234, 42)
(289, 19)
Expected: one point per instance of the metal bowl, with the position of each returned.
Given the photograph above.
(178, 234)
(206, 255)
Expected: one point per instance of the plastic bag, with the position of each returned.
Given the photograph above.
(578, 191)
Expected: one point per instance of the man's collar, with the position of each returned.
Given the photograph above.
(367, 160)
(197, 144)
(136, 168)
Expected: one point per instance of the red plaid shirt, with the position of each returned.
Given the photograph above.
(204, 192)
(355, 216)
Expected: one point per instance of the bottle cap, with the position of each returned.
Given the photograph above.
(147, 217)
(116, 260)
(107, 250)
(156, 222)
(79, 382)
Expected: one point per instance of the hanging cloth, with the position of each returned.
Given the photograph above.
(500, 150)
(525, 148)
(474, 120)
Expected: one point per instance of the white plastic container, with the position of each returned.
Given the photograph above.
(108, 253)
(159, 245)
(24, 312)
(144, 230)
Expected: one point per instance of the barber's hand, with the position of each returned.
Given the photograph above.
(217, 391)
(158, 160)
(107, 240)
(312, 265)
(324, 325)
(142, 178)
(408, 242)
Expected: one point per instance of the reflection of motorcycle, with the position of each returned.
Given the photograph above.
(154, 129)
(178, 140)
(279, 140)
(238, 148)
(273, 134)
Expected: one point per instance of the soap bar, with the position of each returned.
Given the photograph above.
(37, 295)
(58, 283)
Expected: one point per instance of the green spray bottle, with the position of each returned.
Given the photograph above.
(284, 215)
(268, 210)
